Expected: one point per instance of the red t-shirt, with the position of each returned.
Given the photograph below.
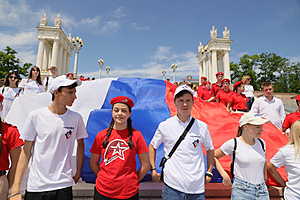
(239, 102)
(290, 119)
(10, 140)
(204, 93)
(215, 87)
(224, 97)
(117, 176)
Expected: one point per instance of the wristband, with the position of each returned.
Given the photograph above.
(152, 169)
(209, 174)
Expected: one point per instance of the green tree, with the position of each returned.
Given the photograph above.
(9, 61)
(268, 67)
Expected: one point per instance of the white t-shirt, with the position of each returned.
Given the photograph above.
(185, 170)
(9, 96)
(54, 137)
(248, 91)
(50, 79)
(249, 160)
(286, 157)
(272, 110)
(31, 86)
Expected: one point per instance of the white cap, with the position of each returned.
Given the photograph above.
(251, 118)
(62, 81)
(182, 88)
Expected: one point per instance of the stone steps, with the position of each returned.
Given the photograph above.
(152, 191)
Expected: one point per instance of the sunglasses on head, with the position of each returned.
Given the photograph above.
(11, 71)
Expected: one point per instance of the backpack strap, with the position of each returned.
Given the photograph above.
(233, 157)
(262, 144)
(3, 89)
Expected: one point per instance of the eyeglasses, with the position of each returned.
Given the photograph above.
(13, 77)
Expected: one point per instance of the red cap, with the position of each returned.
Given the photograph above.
(220, 73)
(1, 97)
(203, 78)
(122, 99)
(297, 97)
(237, 84)
(225, 80)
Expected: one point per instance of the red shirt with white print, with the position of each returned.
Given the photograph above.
(117, 177)
(10, 141)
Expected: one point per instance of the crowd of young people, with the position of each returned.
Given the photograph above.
(50, 133)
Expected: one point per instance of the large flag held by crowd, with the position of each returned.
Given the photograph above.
(153, 104)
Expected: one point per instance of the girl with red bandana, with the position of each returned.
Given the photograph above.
(116, 148)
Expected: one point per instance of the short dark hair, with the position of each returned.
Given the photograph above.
(181, 93)
(266, 84)
(74, 85)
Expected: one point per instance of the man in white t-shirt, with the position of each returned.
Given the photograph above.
(50, 134)
(184, 172)
(269, 106)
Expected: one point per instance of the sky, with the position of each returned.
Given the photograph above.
(142, 38)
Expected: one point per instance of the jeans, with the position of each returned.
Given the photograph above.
(242, 190)
(169, 193)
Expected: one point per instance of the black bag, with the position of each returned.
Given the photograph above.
(164, 159)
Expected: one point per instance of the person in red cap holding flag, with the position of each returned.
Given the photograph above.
(217, 86)
(10, 149)
(117, 147)
(239, 100)
(292, 117)
(204, 91)
(224, 95)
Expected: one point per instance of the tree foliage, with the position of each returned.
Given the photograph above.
(9, 61)
(268, 67)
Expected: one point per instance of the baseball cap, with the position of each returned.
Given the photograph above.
(182, 88)
(62, 81)
(251, 118)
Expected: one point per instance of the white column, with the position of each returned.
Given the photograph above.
(59, 60)
(39, 59)
(214, 66)
(226, 65)
(44, 67)
(55, 51)
(68, 62)
(65, 56)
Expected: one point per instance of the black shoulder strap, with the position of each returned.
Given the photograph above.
(233, 157)
(262, 144)
(3, 89)
(186, 130)
(47, 81)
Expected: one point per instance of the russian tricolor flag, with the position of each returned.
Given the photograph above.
(153, 103)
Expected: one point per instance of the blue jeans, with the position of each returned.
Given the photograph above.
(242, 190)
(169, 193)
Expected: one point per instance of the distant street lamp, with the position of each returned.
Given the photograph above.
(174, 67)
(164, 74)
(100, 63)
(77, 43)
(107, 69)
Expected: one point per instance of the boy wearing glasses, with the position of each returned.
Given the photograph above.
(269, 106)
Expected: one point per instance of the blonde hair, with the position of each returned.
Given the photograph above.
(245, 77)
(295, 137)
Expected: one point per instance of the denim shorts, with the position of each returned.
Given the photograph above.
(169, 193)
(243, 190)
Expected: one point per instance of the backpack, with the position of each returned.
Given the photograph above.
(233, 154)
